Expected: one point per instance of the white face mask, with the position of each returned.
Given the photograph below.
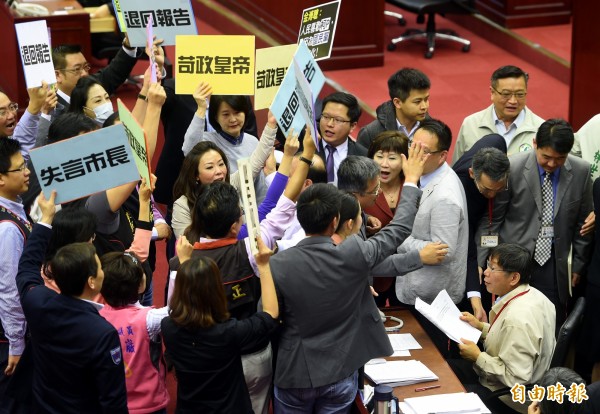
(102, 112)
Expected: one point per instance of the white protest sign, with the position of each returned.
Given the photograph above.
(36, 56)
(307, 103)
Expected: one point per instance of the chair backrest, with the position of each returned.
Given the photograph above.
(567, 334)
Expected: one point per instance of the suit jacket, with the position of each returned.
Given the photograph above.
(331, 325)
(442, 216)
(353, 149)
(481, 123)
(518, 211)
(477, 204)
(77, 359)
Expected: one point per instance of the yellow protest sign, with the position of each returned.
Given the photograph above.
(226, 62)
(271, 65)
(137, 140)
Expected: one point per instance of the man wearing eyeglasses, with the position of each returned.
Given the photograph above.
(442, 217)
(508, 115)
(483, 172)
(14, 229)
(338, 118)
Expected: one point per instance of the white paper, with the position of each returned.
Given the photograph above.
(403, 342)
(444, 314)
(454, 403)
(396, 373)
(36, 53)
(401, 353)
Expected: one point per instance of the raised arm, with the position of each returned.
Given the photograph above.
(195, 131)
(267, 287)
(143, 231)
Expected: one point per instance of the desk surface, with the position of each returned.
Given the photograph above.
(429, 355)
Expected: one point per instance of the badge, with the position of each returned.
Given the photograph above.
(491, 240)
(115, 354)
(524, 147)
(547, 232)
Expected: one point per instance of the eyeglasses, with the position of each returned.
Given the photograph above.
(489, 266)
(22, 168)
(506, 95)
(484, 190)
(374, 192)
(12, 107)
(77, 69)
(336, 121)
(426, 151)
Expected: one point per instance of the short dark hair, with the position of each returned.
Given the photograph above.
(355, 172)
(317, 206)
(71, 267)
(70, 225)
(405, 80)
(8, 148)
(440, 130)
(123, 275)
(557, 134)
(69, 125)
(198, 299)
(513, 258)
(349, 209)
(79, 96)
(237, 102)
(349, 101)
(491, 162)
(186, 183)
(59, 55)
(389, 141)
(508, 71)
(566, 377)
(217, 208)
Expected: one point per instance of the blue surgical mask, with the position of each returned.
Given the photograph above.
(102, 112)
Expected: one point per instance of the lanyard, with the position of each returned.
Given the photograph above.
(26, 223)
(506, 304)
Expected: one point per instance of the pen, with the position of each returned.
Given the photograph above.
(427, 388)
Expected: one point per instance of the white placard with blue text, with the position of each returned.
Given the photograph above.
(36, 54)
(86, 164)
(286, 104)
(170, 18)
(307, 103)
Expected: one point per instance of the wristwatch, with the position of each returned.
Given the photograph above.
(306, 160)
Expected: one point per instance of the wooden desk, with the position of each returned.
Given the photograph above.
(429, 355)
(71, 28)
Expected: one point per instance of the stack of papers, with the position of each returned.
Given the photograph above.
(401, 343)
(445, 404)
(397, 373)
(444, 314)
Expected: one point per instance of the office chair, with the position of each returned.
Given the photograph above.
(431, 8)
(401, 19)
(564, 342)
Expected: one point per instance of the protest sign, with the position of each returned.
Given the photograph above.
(137, 140)
(169, 19)
(271, 65)
(317, 28)
(86, 164)
(36, 54)
(307, 103)
(226, 62)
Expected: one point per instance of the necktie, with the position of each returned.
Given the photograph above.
(330, 167)
(543, 246)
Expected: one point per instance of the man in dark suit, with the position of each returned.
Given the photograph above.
(331, 326)
(483, 172)
(78, 366)
(548, 200)
(338, 119)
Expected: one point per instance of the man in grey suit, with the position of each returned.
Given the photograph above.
(519, 212)
(331, 326)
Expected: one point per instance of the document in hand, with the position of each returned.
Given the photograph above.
(455, 403)
(397, 373)
(444, 314)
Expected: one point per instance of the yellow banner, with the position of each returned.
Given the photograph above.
(226, 62)
(271, 65)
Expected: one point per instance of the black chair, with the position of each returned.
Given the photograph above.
(564, 343)
(431, 8)
(401, 19)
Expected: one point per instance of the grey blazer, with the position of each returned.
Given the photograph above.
(331, 325)
(518, 211)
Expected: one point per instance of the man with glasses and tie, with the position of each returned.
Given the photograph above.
(548, 199)
(338, 118)
(508, 115)
(442, 216)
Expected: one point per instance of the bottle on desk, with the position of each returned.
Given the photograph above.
(383, 397)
